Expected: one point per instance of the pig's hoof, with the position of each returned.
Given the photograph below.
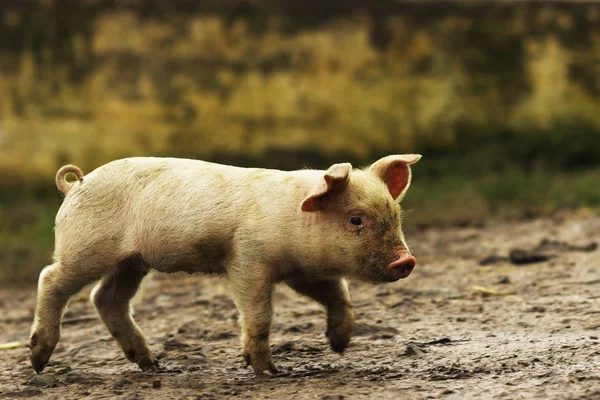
(148, 363)
(340, 328)
(338, 340)
(271, 371)
(339, 345)
(247, 360)
(37, 364)
(266, 371)
(268, 374)
(39, 354)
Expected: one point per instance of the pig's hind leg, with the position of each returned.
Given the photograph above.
(333, 294)
(112, 299)
(56, 285)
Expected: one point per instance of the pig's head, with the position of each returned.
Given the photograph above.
(360, 218)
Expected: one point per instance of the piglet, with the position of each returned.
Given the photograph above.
(307, 229)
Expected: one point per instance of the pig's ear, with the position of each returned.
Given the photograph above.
(335, 178)
(394, 171)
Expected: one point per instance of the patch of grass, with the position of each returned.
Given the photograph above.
(461, 200)
(26, 238)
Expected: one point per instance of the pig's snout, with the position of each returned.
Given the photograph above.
(401, 268)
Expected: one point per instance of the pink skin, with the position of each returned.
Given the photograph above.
(401, 267)
(402, 262)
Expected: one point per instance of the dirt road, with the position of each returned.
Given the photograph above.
(454, 329)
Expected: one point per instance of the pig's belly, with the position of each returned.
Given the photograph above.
(206, 256)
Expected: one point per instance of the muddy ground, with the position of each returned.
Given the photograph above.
(454, 329)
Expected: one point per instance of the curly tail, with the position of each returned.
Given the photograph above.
(62, 184)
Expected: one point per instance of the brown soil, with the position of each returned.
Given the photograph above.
(454, 329)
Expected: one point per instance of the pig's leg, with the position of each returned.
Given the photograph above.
(252, 294)
(112, 300)
(56, 285)
(333, 294)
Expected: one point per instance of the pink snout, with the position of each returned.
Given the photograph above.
(401, 268)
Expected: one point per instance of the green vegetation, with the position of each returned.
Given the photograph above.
(502, 100)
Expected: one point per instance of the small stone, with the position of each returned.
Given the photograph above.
(537, 309)
(413, 350)
(120, 384)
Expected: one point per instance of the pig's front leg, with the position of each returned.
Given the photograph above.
(252, 295)
(333, 294)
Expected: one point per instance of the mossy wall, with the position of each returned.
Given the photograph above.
(287, 83)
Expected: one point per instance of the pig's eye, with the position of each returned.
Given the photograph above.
(356, 221)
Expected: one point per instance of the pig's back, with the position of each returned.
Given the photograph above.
(178, 214)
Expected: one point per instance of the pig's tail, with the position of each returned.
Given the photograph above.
(64, 185)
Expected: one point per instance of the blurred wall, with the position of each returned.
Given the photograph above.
(287, 83)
